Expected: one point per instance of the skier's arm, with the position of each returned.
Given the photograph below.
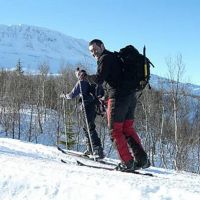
(74, 93)
(102, 71)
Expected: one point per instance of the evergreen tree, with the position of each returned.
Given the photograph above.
(18, 69)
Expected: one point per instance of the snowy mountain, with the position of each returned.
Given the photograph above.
(35, 46)
(159, 83)
(32, 171)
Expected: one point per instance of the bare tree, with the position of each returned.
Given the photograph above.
(176, 70)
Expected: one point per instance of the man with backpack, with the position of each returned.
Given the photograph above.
(85, 90)
(121, 107)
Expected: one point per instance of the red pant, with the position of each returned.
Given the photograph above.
(120, 122)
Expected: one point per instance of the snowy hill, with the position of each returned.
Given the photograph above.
(159, 83)
(36, 45)
(32, 171)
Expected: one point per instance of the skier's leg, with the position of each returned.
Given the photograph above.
(88, 150)
(96, 142)
(133, 138)
(116, 113)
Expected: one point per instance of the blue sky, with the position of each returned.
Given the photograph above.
(167, 27)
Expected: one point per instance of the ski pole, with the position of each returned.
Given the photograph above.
(86, 120)
(65, 126)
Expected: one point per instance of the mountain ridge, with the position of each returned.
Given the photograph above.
(37, 45)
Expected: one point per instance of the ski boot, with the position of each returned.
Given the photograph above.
(141, 158)
(126, 167)
(98, 152)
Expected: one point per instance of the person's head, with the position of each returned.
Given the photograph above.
(83, 74)
(96, 48)
(80, 73)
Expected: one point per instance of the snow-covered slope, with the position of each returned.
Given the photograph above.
(36, 45)
(32, 171)
(159, 83)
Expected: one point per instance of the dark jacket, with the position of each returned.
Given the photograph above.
(86, 92)
(90, 92)
(109, 70)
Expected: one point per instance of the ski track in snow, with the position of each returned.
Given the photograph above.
(33, 172)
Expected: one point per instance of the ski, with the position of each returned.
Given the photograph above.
(72, 153)
(85, 157)
(97, 161)
(112, 169)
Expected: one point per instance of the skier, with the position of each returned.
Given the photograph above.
(83, 88)
(121, 106)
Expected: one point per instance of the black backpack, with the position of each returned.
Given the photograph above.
(135, 67)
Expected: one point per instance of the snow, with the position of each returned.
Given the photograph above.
(33, 171)
(160, 83)
(37, 45)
